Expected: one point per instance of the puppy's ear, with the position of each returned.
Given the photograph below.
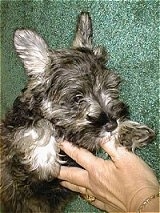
(33, 51)
(83, 37)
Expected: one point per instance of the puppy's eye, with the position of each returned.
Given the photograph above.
(78, 98)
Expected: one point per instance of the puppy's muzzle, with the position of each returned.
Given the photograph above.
(103, 120)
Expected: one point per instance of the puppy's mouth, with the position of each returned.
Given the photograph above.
(111, 126)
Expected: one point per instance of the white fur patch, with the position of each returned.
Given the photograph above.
(39, 149)
(47, 107)
(33, 51)
(44, 156)
(106, 98)
(31, 133)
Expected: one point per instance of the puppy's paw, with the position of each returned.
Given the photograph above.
(132, 134)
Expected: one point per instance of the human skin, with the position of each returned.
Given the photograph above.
(120, 184)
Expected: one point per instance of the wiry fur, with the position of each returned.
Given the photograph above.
(70, 95)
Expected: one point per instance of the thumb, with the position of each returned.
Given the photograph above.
(111, 148)
(108, 144)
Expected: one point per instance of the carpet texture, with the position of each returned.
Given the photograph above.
(129, 31)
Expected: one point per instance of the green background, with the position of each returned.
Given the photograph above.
(129, 31)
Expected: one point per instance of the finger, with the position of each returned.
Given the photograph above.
(75, 175)
(109, 147)
(76, 188)
(80, 155)
(115, 151)
(109, 207)
(98, 204)
(83, 190)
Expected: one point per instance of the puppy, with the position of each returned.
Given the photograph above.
(71, 95)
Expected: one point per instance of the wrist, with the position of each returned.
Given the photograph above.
(140, 196)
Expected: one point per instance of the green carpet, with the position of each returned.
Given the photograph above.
(129, 31)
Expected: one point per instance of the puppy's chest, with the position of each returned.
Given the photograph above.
(46, 153)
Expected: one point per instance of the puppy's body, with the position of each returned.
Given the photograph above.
(70, 95)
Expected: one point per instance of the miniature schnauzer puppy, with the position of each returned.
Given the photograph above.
(70, 95)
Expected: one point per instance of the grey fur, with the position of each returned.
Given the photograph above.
(70, 95)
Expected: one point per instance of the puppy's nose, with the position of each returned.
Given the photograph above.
(111, 125)
(99, 121)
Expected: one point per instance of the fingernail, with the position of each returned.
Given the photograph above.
(62, 143)
(62, 183)
(104, 140)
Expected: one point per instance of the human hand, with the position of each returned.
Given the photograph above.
(120, 184)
